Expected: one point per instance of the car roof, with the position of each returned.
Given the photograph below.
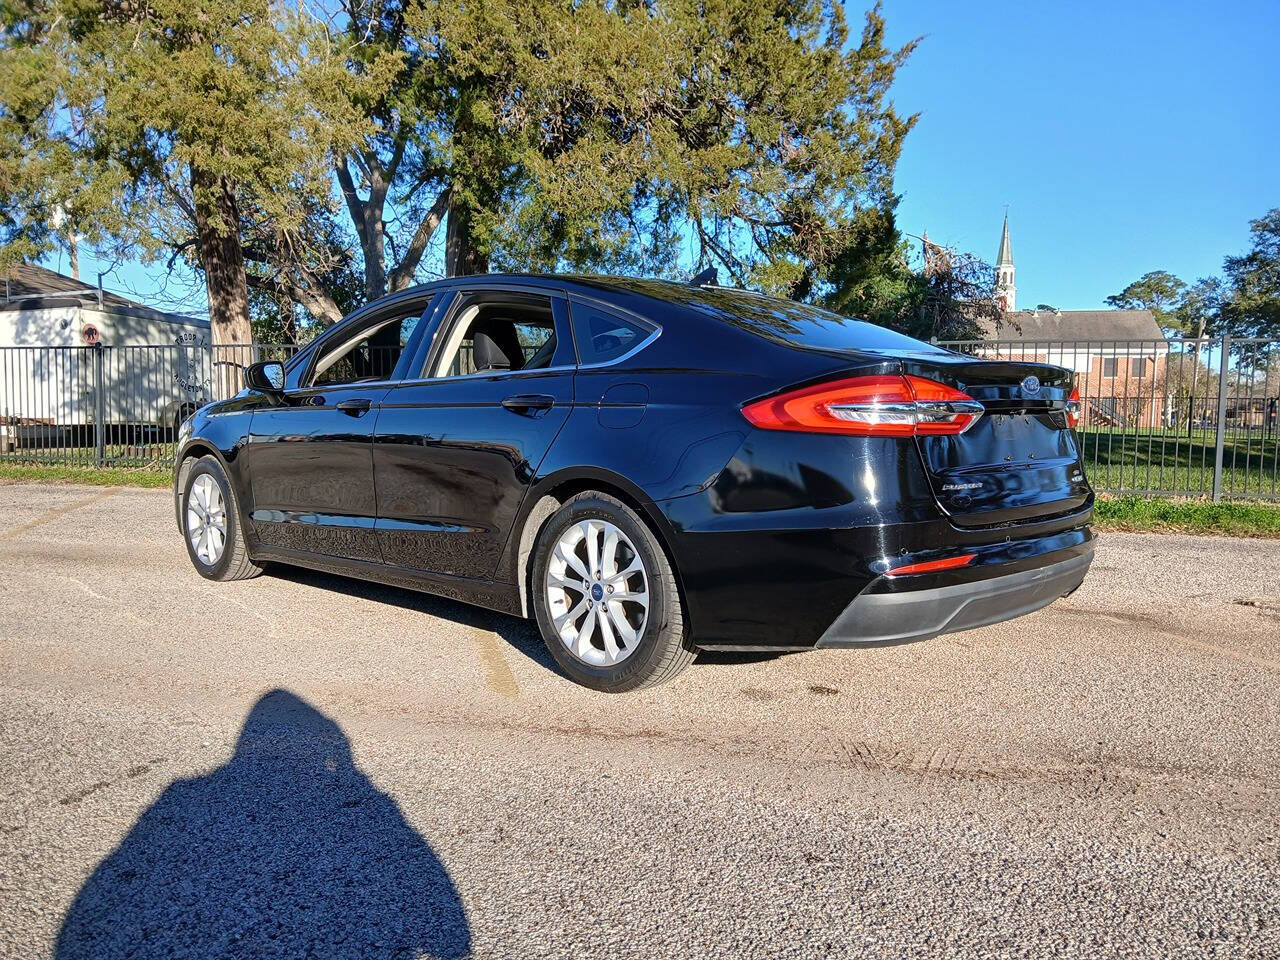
(670, 291)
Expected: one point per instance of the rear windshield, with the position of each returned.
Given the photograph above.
(803, 325)
(784, 321)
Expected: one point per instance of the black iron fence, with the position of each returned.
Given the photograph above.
(112, 406)
(1195, 418)
(1198, 418)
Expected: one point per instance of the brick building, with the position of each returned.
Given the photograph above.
(1120, 357)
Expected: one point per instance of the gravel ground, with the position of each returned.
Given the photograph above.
(300, 765)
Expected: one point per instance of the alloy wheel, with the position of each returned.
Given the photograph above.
(206, 519)
(597, 592)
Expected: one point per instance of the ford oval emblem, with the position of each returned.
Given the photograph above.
(1031, 385)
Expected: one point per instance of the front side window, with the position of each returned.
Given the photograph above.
(604, 336)
(1138, 367)
(370, 354)
(499, 335)
(1109, 367)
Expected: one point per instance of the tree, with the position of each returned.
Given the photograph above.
(301, 281)
(604, 135)
(174, 126)
(1197, 313)
(1158, 291)
(950, 296)
(1253, 307)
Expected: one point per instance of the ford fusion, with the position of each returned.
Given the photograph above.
(648, 469)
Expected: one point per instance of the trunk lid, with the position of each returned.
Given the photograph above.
(1020, 461)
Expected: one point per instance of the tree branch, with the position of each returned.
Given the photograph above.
(397, 151)
(314, 299)
(404, 271)
(355, 205)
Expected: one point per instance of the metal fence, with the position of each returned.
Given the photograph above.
(112, 406)
(1197, 418)
(1194, 418)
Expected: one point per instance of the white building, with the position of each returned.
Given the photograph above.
(58, 336)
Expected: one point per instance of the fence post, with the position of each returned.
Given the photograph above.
(1222, 419)
(99, 405)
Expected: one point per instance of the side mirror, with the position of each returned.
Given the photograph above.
(266, 376)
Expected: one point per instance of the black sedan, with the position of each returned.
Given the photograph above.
(648, 469)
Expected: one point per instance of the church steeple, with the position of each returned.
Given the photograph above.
(1006, 289)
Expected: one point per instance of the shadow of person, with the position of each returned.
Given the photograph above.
(286, 851)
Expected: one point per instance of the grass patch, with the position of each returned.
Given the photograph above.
(96, 476)
(1142, 514)
(1164, 462)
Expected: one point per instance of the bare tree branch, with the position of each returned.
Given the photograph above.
(355, 205)
(402, 275)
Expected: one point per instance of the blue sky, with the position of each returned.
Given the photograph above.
(1125, 136)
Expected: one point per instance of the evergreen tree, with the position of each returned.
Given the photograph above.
(607, 135)
(166, 125)
(1158, 291)
(1253, 307)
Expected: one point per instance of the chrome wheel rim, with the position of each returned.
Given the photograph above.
(597, 593)
(206, 519)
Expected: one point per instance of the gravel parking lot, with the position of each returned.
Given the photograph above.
(300, 765)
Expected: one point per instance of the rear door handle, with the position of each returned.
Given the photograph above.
(529, 403)
(356, 407)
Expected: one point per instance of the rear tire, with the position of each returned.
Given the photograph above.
(211, 524)
(634, 621)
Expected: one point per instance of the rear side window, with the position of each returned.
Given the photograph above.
(500, 333)
(603, 336)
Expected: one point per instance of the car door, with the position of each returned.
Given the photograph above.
(309, 456)
(457, 447)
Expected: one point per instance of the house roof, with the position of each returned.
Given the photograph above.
(25, 281)
(27, 286)
(1055, 326)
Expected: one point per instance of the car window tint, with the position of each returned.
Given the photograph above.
(807, 326)
(783, 321)
(407, 326)
(370, 357)
(495, 337)
(604, 336)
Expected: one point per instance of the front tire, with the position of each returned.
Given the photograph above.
(211, 524)
(605, 597)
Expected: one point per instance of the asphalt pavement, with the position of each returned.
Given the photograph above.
(301, 765)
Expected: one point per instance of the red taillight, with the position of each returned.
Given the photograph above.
(880, 406)
(933, 566)
(1073, 408)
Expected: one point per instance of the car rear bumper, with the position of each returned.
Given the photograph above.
(891, 611)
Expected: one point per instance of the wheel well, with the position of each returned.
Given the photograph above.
(551, 501)
(195, 450)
